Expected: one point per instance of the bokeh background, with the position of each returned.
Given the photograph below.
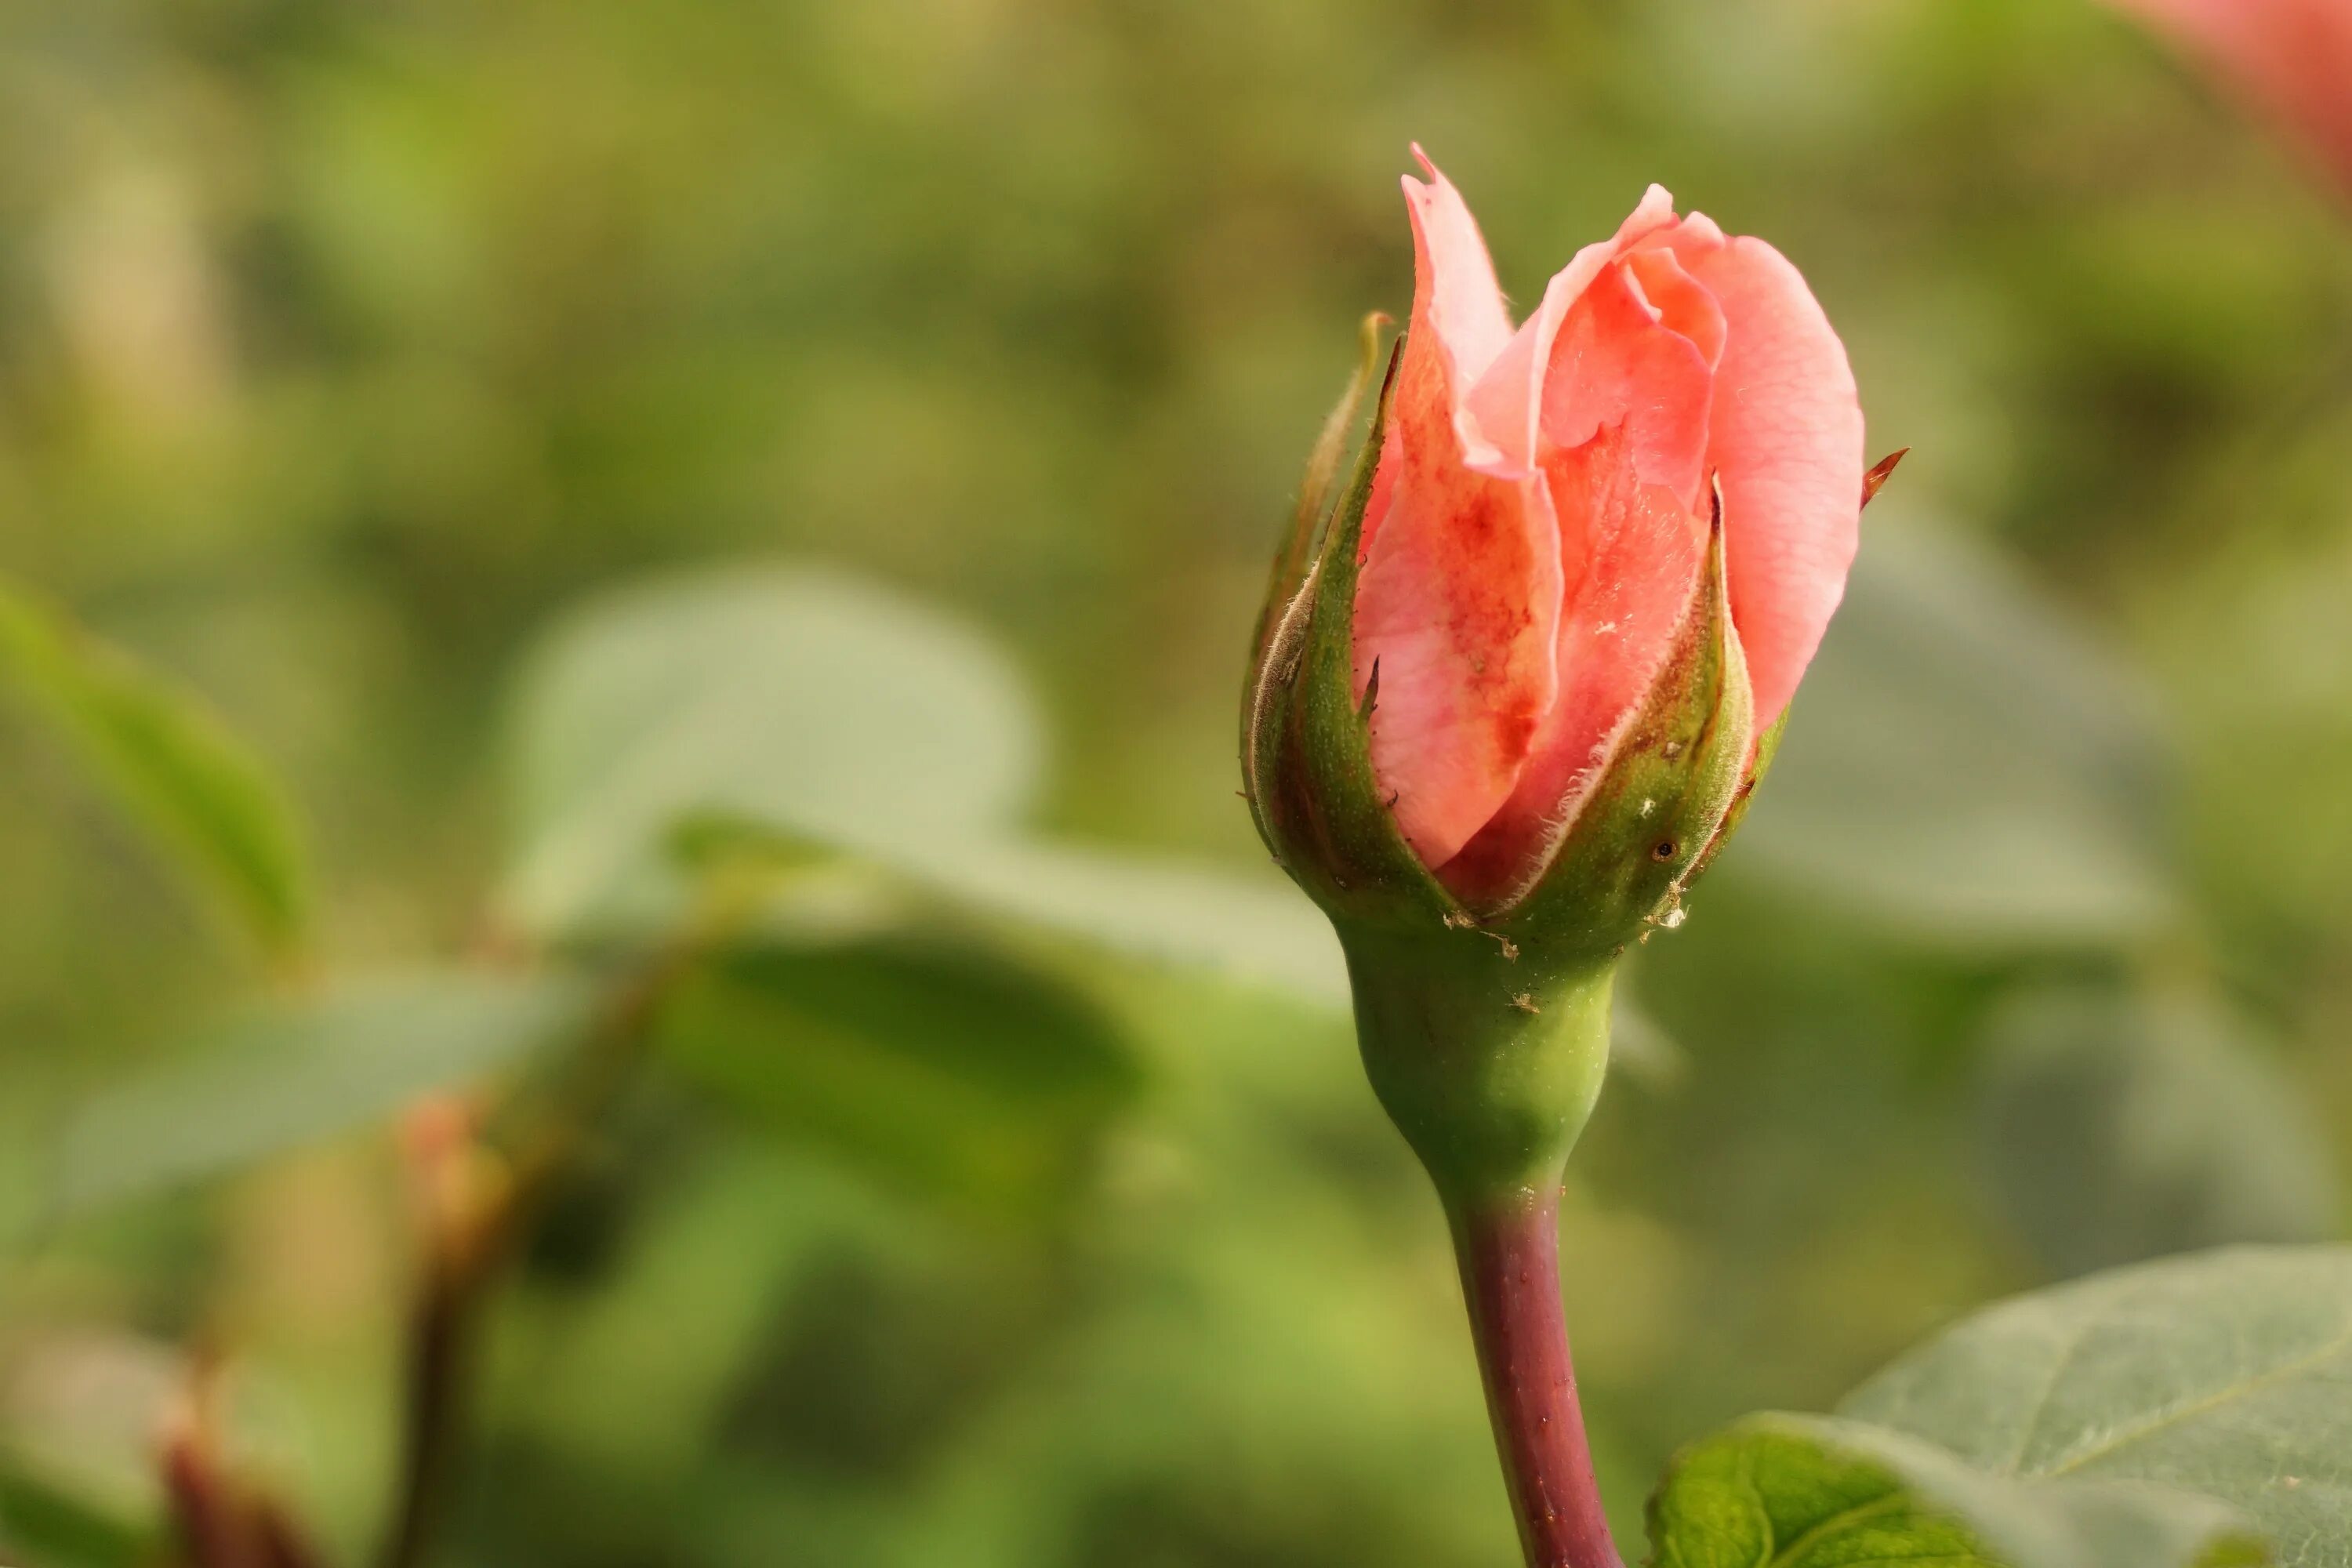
(350, 352)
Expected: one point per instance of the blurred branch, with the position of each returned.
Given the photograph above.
(221, 1521)
(475, 1206)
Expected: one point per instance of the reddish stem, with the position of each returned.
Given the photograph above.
(1510, 1276)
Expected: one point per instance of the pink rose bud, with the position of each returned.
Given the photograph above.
(2289, 59)
(1518, 693)
(1584, 573)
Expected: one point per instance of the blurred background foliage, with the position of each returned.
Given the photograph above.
(599, 453)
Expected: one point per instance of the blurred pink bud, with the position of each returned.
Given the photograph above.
(1537, 528)
(2289, 59)
(435, 1129)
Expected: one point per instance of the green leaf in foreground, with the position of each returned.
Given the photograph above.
(1794, 1491)
(2118, 1126)
(298, 1071)
(2226, 1372)
(175, 767)
(938, 1067)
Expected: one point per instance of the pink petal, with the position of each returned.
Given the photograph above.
(1680, 300)
(1457, 307)
(1621, 418)
(1460, 590)
(1616, 362)
(2291, 60)
(1508, 398)
(1786, 436)
(1616, 631)
(1465, 303)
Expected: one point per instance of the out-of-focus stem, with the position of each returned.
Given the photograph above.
(467, 1244)
(221, 1519)
(1509, 1253)
(205, 1526)
(439, 1342)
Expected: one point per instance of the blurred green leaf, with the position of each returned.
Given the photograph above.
(674, 1322)
(1157, 909)
(780, 715)
(808, 700)
(304, 1069)
(45, 1522)
(2118, 1126)
(1809, 1491)
(1962, 766)
(798, 710)
(940, 1066)
(190, 783)
(2223, 1372)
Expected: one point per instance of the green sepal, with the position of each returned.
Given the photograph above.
(1307, 745)
(1767, 746)
(1313, 502)
(1640, 836)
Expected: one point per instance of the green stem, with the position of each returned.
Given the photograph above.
(1489, 1059)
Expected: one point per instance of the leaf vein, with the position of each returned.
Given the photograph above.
(1793, 1552)
(2173, 1417)
(2041, 1406)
